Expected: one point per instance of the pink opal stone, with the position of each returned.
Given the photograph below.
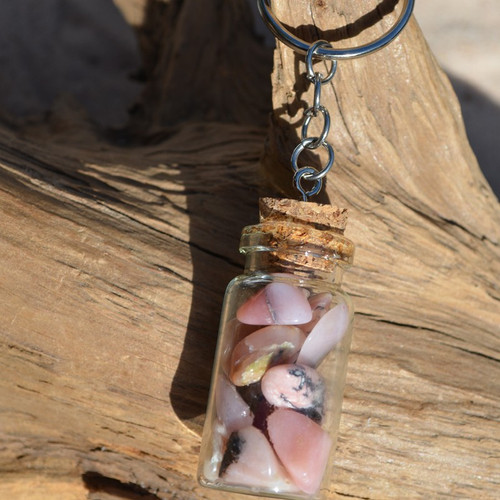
(320, 304)
(302, 446)
(250, 461)
(212, 462)
(276, 304)
(266, 347)
(292, 277)
(234, 331)
(327, 333)
(232, 411)
(293, 386)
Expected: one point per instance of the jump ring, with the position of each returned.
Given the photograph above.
(317, 93)
(309, 115)
(303, 145)
(307, 173)
(323, 52)
(312, 52)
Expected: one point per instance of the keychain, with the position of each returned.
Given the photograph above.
(285, 330)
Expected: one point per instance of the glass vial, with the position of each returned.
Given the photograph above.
(279, 371)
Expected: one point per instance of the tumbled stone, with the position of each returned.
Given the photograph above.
(293, 386)
(327, 333)
(320, 304)
(251, 394)
(218, 439)
(302, 446)
(249, 460)
(311, 413)
(291, 278)
(259, 406)
(276, 304)
(232, 411)
(266, 347)
(233, 332)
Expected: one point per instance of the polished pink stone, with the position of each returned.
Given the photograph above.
(302, 446)
(266, 347)
(250, 461)
(327, 333)
(232, 411)
(276, 304)
(320, 304)
(293, 386)
(233, 332)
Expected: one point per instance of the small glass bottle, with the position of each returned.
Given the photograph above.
(279, 371)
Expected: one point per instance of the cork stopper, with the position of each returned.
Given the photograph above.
(322, 217)
(303, 233)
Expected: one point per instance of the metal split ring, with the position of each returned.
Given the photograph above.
(325, 52)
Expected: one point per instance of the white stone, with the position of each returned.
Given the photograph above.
(327, 333)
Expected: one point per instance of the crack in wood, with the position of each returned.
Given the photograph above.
(98, 483)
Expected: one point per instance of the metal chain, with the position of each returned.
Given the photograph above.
(323, 50)
(310, 173)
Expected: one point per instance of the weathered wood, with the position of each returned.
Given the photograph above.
(426, 271)
(114, 260)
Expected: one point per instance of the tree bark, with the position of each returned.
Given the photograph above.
(116, 249)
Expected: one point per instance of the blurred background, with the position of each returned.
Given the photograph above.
(84, 53)
(464, 35)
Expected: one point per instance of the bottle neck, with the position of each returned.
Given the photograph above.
(295, 249)
(263, 260)
(301, 239)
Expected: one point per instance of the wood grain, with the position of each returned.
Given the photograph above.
(424, 378)
(115, 250)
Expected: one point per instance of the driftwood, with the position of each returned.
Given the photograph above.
(116, 249)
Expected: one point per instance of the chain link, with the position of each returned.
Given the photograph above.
(310, 113)
(310, 173)
(307, 173)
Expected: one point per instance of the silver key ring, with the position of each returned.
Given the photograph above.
(302, 47)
